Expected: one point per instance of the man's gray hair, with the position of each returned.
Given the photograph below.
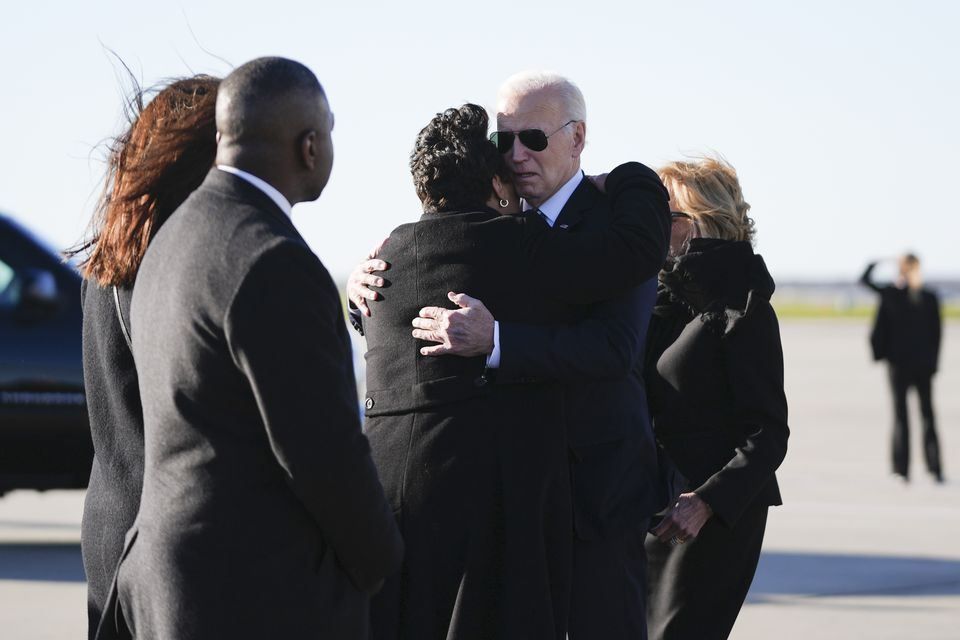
(525, 82)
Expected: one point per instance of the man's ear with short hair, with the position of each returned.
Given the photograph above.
(579, 137)
(308, 149)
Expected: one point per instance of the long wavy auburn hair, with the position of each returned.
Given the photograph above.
(151, 169)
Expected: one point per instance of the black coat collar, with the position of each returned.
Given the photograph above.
(479, 209)
(716, 274)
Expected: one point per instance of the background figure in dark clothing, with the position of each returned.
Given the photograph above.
(715, 378)
(906, 333)
(163, 156)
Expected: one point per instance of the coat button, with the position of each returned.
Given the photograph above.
(480, 382)
(369, 403)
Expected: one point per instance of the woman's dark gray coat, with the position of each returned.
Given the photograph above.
(116, 426)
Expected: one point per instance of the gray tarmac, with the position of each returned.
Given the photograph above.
(852, 554)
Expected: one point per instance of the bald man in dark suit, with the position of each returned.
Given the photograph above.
(262, 515)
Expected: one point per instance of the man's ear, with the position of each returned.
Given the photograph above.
(579, 137)
(308, 149)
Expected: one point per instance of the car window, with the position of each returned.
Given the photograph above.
(8, 288)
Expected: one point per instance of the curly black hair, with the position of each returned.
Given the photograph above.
(453, 162)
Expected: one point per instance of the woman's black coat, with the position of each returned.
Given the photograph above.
(715, 375)
(717, 385)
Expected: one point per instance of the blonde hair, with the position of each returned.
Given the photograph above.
(708, 190)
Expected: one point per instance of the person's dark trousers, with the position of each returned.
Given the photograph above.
(609, 594)
(901, 379)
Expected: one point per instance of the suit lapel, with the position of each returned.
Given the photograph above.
(581, 201)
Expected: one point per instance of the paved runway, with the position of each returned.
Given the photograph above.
(853, 553)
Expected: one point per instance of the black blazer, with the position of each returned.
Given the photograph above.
(906, 330)
(613, 455)
(716, 376)
(261, 513)
(478, 471)
(116, 427)
(519, 268)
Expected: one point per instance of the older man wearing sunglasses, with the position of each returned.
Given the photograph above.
(541, 130)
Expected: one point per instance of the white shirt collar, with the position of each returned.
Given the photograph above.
(261, 184)
(553, 205)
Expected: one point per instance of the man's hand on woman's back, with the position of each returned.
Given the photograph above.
(363, 277)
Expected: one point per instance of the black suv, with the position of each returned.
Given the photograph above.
(44, 431)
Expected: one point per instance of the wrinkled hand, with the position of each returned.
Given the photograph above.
(467, 331)
(600, 181)
(362, 278)
(684, 520)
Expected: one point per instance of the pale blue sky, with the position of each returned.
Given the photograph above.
(841, 117)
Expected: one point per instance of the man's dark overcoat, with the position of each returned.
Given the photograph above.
(262, 515)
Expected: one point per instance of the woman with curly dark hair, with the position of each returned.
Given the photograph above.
(152, 168)
(477, 469)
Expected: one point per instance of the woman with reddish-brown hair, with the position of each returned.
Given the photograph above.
(152, 167)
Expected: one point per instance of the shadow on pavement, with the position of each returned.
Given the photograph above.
(823, 574)
(54, 562)
(779, 573)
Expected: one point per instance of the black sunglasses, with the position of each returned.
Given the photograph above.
(533, 139)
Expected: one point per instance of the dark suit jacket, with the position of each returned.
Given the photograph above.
(261, 514)
(116, 427)
(906, 330)
(613, 455)
(478, 471)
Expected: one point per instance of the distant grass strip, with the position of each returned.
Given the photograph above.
(827, 311)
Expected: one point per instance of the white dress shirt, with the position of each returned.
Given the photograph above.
(550, 210)
(267, 188)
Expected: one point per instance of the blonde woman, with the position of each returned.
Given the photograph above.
(715, 379)
(906, 333)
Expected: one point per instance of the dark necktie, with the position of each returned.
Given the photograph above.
(544, 217)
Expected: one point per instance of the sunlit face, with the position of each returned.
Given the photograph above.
(539, 174)
(682, 229)
(681, 232)
(905, 267)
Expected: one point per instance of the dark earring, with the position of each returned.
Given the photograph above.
(504, 203)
